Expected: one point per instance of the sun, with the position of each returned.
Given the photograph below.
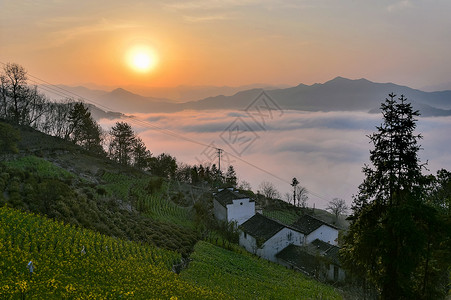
(142, 58)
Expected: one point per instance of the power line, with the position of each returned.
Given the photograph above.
(62, 92)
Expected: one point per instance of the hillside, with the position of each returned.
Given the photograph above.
(62, 181)
(71, 262)
(74, 263)
(96, 229)
(244, 276)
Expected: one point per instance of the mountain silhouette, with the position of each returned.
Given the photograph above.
(338, 94)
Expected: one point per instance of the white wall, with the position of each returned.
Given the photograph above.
(219, 211)
(240, 210)
(324, 233)
(248, 242)
(278, 242)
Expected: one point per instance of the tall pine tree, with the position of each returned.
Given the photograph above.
(388, 234)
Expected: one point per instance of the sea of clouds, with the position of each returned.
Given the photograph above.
(325, 151)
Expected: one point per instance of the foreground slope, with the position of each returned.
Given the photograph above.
(71, 262)
(243, 276)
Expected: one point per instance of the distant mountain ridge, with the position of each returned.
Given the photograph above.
(338, 94)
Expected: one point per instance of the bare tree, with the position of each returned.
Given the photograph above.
(269, 190)
(4, 96)
(15, 85)
(56, 121)
(244, 185)
(301, 196)
(288, 197)
(337, 206)
(35, 107)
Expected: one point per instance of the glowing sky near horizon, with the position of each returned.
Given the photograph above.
(229, 42)
(233, 43)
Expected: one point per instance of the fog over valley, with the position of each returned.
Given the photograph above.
(325, 151)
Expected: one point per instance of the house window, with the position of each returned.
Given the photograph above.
(241, 203)
(245, 235)
(289, 236)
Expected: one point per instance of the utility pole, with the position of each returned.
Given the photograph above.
(219, 158)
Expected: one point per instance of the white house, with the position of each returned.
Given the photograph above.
(230, 205)
(297, 246)
(314, 228)
(266, 237)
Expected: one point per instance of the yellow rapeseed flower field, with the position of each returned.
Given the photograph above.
(75, 263)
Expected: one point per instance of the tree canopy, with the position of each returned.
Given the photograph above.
(392, 225)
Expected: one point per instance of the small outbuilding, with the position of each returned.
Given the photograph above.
(232, 206)
(318, 259)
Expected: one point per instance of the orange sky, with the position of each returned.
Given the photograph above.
(212, 42)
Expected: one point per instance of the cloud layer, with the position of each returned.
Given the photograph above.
(324, 151)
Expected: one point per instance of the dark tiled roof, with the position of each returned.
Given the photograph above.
(334, 255)
(261, 227)
(325, 249)
(298, 257)
(227, 196)
(305, 257)
(321, 245)
(307, 224)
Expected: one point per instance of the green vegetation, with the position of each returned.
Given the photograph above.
(399, 239)
(40, 166)
(109, 207)
(243, 276)
(149, 196)
(284, 216)
(8, 138)
(75, 263)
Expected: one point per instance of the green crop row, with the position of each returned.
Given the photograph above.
(35, 164)
(155, 203)
(244, 276)
(75, 263)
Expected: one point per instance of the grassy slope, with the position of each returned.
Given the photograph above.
(106, 203)
(243, 276)
(109, 268)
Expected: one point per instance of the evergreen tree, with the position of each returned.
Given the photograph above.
(164, 165)
(217, 178)
(230, 177)
(201, 173)
(388, 234)
(84, 130)
(122, 143)
(141, 156)
(194, 175)
(433, 274)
